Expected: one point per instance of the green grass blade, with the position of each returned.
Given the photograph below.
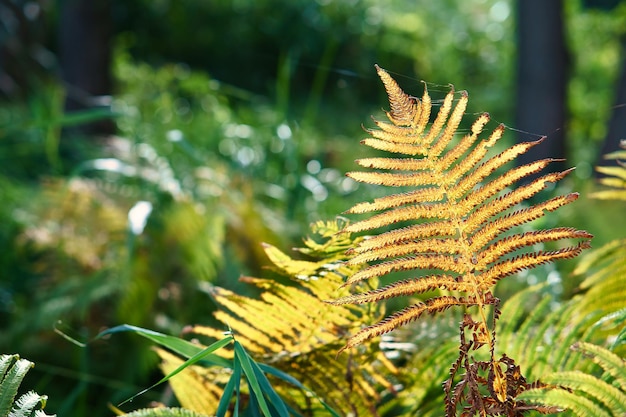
(251, 410)
(293, 381)
(180, 346)
(274, 398)
(232, 386)
(238, 392)
(84, 116)
(191, 361)
(255, 388)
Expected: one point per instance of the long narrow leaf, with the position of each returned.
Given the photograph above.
(246, 366)
(183, 347)
(178, 345)
(267, 388)
(232, 386)
(251, 410)
(238, 393)
(293, 381)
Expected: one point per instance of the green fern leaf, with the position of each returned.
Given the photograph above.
(579, 405)
(600, 391)
(28, 404)
(540, 338)
(609, 361)
(604, 298)
(12, 372)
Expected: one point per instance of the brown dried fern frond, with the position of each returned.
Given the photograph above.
(455, 226)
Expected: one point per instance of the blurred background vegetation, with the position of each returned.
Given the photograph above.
(147, 148)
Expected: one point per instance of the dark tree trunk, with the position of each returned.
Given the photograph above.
(617, 123)
(542, 78)
(85, 55)
(24, 59)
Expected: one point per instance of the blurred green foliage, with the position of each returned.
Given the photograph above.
(235, 123)
(327, 48)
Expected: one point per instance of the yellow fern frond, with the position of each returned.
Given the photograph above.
(194, 380)
(615, 178)
(459, 216)
(290, 326)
